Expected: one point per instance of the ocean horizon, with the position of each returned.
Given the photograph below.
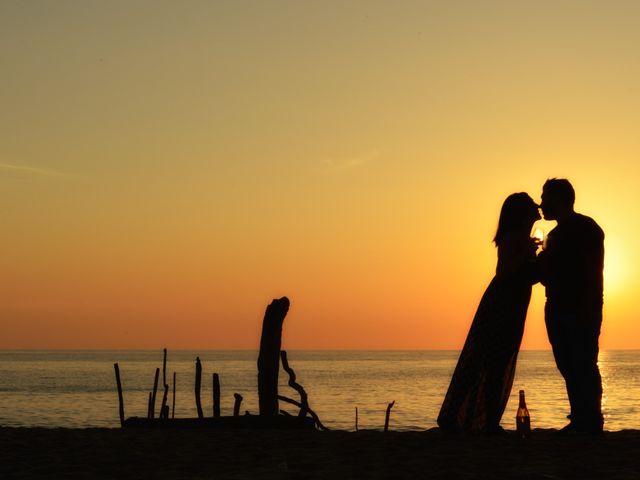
(77, 389)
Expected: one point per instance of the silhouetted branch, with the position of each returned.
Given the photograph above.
(197, 387)
(236, 405)
(304, 401)
(216, 395)
(120, 399)
(386, 418)
(269, 357)
(311, 412)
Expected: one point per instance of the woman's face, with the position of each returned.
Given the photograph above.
(535, 213)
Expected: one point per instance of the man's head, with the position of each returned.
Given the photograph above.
(558, 197)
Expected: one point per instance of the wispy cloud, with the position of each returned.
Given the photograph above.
(345, 163)
(25, 169)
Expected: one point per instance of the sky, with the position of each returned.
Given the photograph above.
(168, 168)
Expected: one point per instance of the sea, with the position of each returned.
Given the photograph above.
(77, 389)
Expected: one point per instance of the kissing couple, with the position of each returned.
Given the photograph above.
(570, 266)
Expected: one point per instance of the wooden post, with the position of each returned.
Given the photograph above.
(197, 389)
(269, 356)
(120, 399)
(149, 405)
(236, 405)
(173, 408)
(155, 392)
(216, 395)
(386, 418)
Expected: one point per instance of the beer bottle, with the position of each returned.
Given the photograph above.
(523, 421)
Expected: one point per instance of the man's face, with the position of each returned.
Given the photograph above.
(549, 206)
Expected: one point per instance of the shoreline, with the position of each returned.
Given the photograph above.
(215, 453)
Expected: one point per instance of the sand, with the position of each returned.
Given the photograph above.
(217, 454)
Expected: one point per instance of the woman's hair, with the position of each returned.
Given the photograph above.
(517, 211)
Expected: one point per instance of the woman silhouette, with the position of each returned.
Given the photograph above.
(482, 380)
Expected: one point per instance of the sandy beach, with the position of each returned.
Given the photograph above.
(208, 454)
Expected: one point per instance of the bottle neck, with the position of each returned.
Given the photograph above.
(523, 404)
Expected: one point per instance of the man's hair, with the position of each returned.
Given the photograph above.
(561, 189)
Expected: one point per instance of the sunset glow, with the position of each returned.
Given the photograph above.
(166, 170)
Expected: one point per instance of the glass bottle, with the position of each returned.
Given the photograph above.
(523, 421)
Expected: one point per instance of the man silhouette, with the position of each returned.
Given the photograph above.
(571, 269)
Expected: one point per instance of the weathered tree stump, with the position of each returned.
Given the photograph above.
(269, 356)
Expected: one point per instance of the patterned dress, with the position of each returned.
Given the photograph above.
(482, 380)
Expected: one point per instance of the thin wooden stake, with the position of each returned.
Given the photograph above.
(386, 418)
(155, 392)
(216, 395)
(173, 408)
(197, 388)
(149, 405)
(164, 367)
(120, 398)
(356, 419)
(236, 405)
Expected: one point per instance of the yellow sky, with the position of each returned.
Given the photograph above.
(167, 168)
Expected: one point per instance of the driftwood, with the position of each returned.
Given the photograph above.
(120, 398)
(155, 392)
(304, 401)
(269, 356)
(197, 388)
(386, 418)
(173, 406)
(216, 395)
(314, 416)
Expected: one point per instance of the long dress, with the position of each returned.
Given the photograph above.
(482, 380)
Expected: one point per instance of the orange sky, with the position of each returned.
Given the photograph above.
(167, 169)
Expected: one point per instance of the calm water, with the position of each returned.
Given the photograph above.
(77, 389)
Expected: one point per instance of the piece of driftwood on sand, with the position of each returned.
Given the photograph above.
(268, 368)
